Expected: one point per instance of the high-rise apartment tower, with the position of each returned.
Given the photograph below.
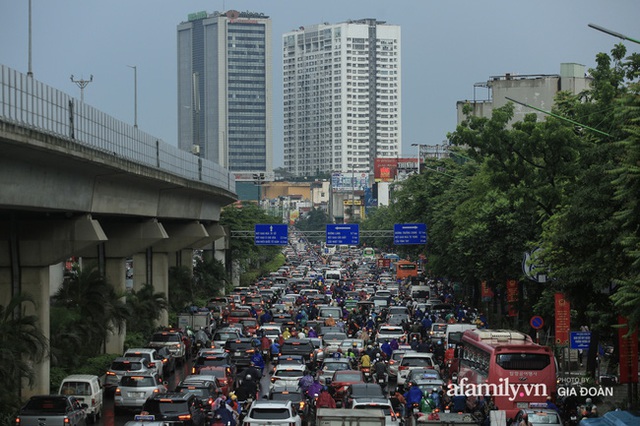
(342, 105)
(224, 89)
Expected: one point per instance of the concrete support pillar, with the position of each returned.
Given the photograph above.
(140, 277)
(35, 283)
(115, 274)
(182, 257)
(160, 270)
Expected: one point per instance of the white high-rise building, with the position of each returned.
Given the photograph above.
(342, 104)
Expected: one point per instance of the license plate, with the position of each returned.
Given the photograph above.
(522, 405)
(415, 410)
(238, 353)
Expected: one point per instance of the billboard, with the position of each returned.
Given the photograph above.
(392, 169)
(357, 181)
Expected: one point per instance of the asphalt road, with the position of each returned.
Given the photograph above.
(110, 419)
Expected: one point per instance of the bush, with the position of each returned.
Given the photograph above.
(98, 365)
(135, 340)
(56, 374)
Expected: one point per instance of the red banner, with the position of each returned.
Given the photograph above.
(628, 353)
(563, 319)
(486, 292)
(512, 297)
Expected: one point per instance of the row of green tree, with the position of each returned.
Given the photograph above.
(572, 191)
(87, 309)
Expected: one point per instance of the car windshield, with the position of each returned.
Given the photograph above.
(385, 408)
(137, 381)
(269, 414)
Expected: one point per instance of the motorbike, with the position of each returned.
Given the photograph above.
(266, 355)
(366, 371)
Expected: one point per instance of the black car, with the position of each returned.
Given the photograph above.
(302, 347)
(205, 390)
(241, 350)
(211, 360)
(362, 391)
(177, 408)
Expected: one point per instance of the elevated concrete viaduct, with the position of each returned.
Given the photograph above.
(62, 197)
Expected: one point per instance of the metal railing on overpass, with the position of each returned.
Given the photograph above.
(32, 104)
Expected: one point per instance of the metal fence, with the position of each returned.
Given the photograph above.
(32, 104)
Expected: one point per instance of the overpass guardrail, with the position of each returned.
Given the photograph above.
(32, 104)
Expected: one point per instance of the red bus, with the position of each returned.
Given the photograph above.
(507, 365)
(405, 269)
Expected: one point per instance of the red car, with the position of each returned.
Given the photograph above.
(340, 383)
(223, 375)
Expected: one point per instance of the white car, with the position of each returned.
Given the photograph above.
(391, 417)
(413, 360)
(151, 355)
(272, 413)
(134, 389)
(287, 375)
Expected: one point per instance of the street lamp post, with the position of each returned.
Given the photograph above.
(419, 145)
(82, 83)
(613, 33)
(135, 94)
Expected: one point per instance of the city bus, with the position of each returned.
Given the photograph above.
(507, 365)
(405, 269)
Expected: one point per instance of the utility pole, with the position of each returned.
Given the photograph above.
(135, 95)
(82, 83)
(30, 69)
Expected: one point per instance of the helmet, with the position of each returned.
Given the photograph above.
(525, 416)
(354, 344)
(589, 401)
(248, 377)
(369, 347)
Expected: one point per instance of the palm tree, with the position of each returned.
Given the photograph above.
(22, 344)
(145, 307)
(97, 309)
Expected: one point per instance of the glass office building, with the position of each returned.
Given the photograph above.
(224, 89)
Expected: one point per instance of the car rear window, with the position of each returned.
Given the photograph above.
(166, 407)
(288, 373)
(46, 405)
(211, 362)
(240, 314)
(416, 362)
(137, 382)
(237, 345)
(286, 396)
(348, 377)
(224, 336)
(126, 365)
(270, 414)
(385, 408)
(297, 347)
(168, 337)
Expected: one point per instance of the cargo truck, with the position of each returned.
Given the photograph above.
(349, 417)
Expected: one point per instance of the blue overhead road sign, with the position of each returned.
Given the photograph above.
(347, 233)
(409, 233)
(271, 235)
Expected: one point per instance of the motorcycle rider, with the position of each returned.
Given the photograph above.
(325, 400)
(247, 390)
(258, 361)
(412, 396)
(379, 369)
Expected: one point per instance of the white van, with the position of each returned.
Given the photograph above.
(458, 328)
(86, 389)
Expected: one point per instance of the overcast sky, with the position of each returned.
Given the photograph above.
(447, 46)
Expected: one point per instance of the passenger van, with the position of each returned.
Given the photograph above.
(86, 389)
(457, 329)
